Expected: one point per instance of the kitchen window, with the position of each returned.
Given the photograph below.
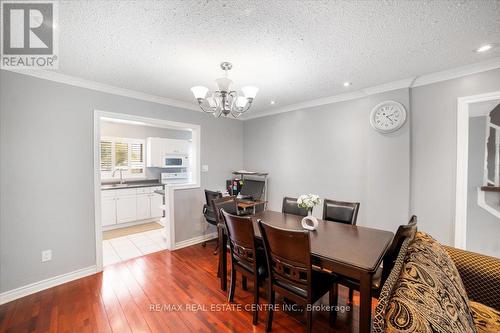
(125, 154)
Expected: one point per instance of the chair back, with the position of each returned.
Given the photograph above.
(404, 231)
(208, 210)
(290, 207)
(340, 211)
(288, 255)
(229, 205)
(241, 240)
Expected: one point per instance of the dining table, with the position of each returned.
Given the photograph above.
(352, 251)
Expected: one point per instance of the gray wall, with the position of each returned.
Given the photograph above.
(483, 228)
(434, 151)
(332, 151)
(47, 172)
(121, 130)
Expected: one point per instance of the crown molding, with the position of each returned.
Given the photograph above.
(102, 87)
(395, 85)
(457, 72)
(411, 82)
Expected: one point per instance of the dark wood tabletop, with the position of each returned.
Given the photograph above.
(352, 245)
(352, 251)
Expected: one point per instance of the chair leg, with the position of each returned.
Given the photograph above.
(333, 300)
(309, 320)
(216, 248)
(269, 322)
(350, 296)
(244, 282)
(204, 244)
(232, 284)
(256, 300)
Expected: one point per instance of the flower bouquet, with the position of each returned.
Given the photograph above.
(308, 201)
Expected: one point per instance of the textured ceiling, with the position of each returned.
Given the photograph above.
(293, 51)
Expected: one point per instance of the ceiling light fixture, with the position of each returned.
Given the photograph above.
(347, 84)
(272, 102)
(484, 48)
(225, 101)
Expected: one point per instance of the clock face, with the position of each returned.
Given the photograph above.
(388, 116)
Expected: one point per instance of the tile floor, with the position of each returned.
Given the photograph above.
(131, 246)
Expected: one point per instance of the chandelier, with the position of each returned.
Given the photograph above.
(225, 101)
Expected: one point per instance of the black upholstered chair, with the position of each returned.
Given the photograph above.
(246, 257)
(340, 211)
(404, 231)
(290, 207)
(209, 212)
(288, 254)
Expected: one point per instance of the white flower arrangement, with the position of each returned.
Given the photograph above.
(308, 201)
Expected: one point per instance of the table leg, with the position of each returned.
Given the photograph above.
(365, 304)
(223, 259)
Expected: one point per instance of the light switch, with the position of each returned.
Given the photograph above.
(204, 168)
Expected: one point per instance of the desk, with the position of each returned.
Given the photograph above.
(352, 251)
(244, 204)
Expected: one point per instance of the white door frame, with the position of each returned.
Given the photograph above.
(463, 113)
(196, 174)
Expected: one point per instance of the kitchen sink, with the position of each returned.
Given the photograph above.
(128, 185)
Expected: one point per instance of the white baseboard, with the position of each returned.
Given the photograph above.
(195, 240)
(32, 288)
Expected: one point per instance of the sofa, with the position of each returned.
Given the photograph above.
(433, 288)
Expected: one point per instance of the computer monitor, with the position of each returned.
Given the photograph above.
(252, 189)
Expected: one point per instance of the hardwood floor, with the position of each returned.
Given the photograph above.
(136, 296)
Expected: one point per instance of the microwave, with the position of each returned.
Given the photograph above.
(175, 161)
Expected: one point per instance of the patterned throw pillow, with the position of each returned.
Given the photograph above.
(429, 295)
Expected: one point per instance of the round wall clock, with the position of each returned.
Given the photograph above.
(388, 116)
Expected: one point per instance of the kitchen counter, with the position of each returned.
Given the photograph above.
(131, 184)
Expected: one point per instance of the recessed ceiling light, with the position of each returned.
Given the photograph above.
(347, 84)
(272, 102)
(484, 48)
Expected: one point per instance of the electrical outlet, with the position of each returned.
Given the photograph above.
(46, 255)
(204, 168)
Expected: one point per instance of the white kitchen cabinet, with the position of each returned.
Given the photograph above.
(155, 150)
(173, 146)
(156, 202)
(143, 206)
(158, 148)
(108, 211)
(126, 209)
(130, 205)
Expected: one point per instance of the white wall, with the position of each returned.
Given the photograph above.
(483, 228)
(433, 149)
(121, 130)
(332, 151)
(47, 171)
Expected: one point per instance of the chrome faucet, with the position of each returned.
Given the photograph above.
(121, 174)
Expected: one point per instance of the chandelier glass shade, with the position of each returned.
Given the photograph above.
(225, 101)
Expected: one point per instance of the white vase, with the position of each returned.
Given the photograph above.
(310, 222)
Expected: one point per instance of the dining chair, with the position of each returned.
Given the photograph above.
(245, 256)
(290, 207)
(404, 231)
(288, 254)
(209, 212)
(340, 211)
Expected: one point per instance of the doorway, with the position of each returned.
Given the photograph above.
(473, 134)
(133, 215)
